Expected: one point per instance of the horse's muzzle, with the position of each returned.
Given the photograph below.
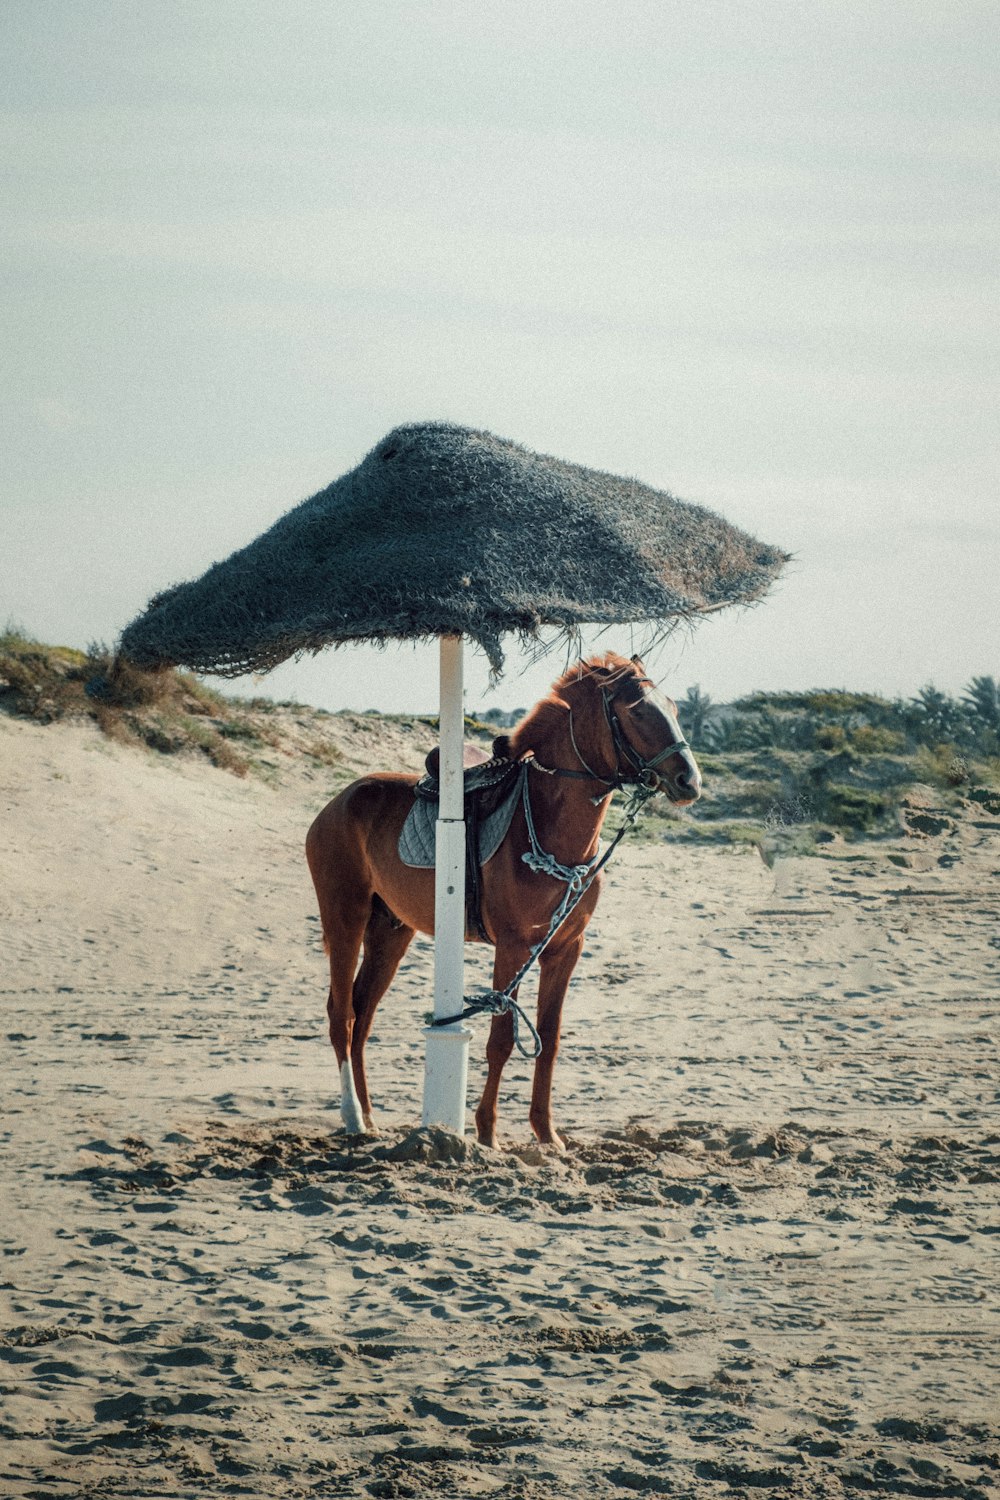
(684, 787)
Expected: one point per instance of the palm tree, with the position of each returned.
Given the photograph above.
(694, 710)
(937, 716)
(982, 701)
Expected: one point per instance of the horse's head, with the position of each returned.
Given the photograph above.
(621, 731)
(646, 738)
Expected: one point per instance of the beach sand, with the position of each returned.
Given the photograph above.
(767, 1263)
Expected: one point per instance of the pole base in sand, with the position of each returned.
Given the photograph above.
(447, 1076)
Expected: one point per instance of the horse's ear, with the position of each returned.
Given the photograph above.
(637, 662)
(501, 747)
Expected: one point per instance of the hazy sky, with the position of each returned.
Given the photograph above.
(745, 251)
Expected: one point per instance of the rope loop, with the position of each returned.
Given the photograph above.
(543, 864)
(498, 1003)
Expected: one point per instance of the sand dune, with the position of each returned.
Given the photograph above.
(767, 1264)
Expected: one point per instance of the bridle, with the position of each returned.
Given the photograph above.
(646, 773)
(637, 771)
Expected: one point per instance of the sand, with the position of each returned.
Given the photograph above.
(767, 1263)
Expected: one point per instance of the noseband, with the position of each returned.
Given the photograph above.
(637, 771)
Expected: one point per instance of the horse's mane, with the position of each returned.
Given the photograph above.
(547, 715)
(609, 665)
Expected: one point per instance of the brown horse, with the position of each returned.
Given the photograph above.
(602, 726)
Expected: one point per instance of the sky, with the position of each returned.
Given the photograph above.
(746, 252)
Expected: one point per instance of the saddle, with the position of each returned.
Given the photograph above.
(492, 786)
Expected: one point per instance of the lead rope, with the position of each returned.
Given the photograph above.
(578, 879)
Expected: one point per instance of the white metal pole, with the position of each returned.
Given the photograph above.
(447, 1059)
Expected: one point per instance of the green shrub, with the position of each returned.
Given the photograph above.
(876, 739)
(854, 808)
(942, 765)
(831, 737)
(239, 729)
(822, 703)
(41, 682)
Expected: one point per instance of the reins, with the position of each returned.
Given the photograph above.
(577, 878)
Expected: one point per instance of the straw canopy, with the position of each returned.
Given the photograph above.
(443, 530)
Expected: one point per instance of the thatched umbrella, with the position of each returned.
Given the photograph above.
(443, 531)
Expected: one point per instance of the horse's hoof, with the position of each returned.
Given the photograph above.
(370, 1127)
(553, 1140)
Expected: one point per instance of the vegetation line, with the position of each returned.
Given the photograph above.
(793, 770)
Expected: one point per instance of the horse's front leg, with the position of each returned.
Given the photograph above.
(509, 958)
(555, 969)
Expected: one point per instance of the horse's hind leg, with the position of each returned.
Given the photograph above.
(343, 931)
(386, 940)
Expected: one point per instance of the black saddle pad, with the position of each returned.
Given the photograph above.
(487, 784)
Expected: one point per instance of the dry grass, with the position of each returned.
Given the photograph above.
(170, 712)
(173, 713)
(324, 752)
